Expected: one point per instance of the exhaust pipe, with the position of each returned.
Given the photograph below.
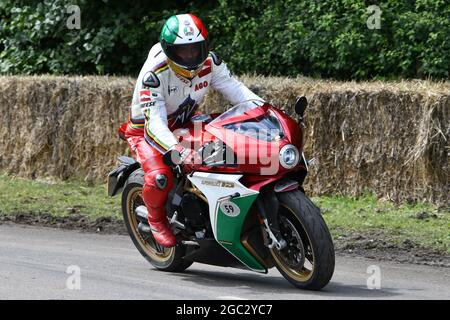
(144, 228)
(142, 214)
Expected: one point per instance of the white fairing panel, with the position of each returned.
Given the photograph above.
(217, 186)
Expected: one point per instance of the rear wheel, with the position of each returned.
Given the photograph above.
(308, 259)
(166, 259)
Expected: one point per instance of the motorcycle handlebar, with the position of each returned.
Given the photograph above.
(172, 158)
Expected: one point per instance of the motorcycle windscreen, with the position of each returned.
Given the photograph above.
(240, 110)
(265, 127)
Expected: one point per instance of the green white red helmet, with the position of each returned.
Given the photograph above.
(184, 40)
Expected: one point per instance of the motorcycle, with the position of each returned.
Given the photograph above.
(227, 212)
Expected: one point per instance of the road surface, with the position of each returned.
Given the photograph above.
(46, 263)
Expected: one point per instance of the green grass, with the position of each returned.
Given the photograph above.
(344, 215)
(19, 195)
(368, 215)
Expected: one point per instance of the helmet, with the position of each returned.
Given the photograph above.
(184, 40)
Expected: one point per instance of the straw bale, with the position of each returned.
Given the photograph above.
(390, 138)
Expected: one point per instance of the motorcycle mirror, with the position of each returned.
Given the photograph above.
(300, 105)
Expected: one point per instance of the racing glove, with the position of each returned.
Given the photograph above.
(188, 157)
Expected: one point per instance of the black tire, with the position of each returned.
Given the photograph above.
(165, 259)
(297, 210)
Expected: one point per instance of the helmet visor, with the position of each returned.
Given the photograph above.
(189, 55)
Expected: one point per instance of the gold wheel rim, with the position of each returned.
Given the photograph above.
(150, 251)
(302, 275)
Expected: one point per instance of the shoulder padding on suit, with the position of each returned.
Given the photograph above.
(151, 80)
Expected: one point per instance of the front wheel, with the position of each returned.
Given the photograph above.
(166, 259)
(308, 259)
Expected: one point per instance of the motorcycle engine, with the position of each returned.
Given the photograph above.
(195, 212)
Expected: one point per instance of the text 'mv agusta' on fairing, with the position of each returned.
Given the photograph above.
(244, 206)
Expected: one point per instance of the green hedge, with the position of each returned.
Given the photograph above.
(326, 38)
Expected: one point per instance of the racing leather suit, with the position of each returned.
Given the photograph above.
(162, 102)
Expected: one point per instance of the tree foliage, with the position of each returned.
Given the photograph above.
(328, 38)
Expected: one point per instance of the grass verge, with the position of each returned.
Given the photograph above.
(62, 199)
(406, 224)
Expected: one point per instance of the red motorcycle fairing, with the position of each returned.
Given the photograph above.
(256, 159)
(256, 182)
(291, 129)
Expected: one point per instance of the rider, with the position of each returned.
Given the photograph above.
(177, 74)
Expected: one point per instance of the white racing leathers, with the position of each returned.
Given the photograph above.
(163, 99)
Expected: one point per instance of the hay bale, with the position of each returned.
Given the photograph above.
(62, 127)
(387, 138)
(384, 142)
(390, 138)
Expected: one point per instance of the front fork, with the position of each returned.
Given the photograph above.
(268, 208)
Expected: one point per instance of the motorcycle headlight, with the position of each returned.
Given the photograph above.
(289, 156)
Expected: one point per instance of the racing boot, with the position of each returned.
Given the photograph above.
(155, 195)
(160, 229)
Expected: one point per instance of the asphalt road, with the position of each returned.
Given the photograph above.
(34, 264)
